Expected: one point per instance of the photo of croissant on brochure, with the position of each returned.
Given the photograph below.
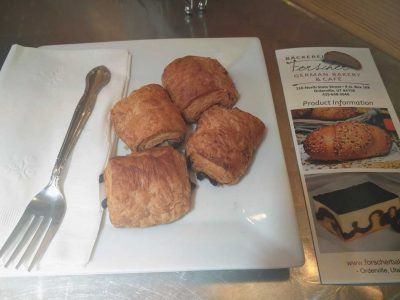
(356, 211)
(346, 137)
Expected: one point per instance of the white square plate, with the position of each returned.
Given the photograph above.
(251, 225)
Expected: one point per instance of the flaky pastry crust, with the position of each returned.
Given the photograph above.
(147, 188)
(147, 118)
(223, 143)
(196, 83)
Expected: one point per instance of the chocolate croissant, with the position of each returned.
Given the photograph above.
(196, 83)
(223, 144)
(147, 188)
(147, 118)
(346, 141)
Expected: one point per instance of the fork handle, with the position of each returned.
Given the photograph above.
(96, 79)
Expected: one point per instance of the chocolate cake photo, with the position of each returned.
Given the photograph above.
(353, 209)
(356, 211)
(346, 137)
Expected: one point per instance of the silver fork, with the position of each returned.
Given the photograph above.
(45, 212)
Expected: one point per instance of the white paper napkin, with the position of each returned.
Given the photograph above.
(39, 90)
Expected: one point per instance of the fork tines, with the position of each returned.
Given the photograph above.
(32, 233)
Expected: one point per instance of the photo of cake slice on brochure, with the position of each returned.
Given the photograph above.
(356, 211)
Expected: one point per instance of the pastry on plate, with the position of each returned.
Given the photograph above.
(147, 118)
(356, 211)
(147, 188)
(223, 144)
(347, 141)
(196, 83)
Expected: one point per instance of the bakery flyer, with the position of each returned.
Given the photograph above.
(346, 136)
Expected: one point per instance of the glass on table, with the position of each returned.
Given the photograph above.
(191, 5)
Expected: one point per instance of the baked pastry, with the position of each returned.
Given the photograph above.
(346, 141)
(224, 142)
(301, 113)
(147, 118)
(342, 59)
(356, 211)
(196, 83)
(333, 113)
(147, 188)
(325, 113)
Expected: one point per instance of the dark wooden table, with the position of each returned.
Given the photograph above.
(279, 25)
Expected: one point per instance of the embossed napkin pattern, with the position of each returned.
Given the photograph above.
(39, 90)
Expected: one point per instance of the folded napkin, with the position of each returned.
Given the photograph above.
(39, 90)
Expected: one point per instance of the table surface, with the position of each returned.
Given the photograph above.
(377, 22)
(278, 24)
